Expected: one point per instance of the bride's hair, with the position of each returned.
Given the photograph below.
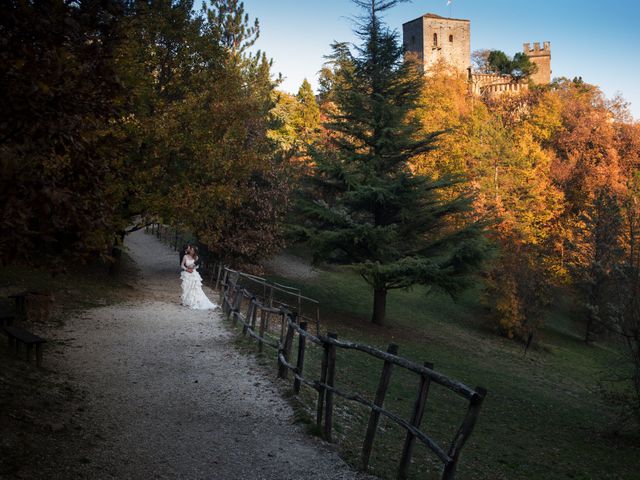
(194, 255)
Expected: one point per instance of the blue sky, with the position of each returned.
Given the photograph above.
(598, 40)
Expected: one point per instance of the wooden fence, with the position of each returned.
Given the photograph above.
(241, 305)
(211, 269)
(257, 312)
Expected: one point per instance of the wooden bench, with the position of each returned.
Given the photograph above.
(20, 335)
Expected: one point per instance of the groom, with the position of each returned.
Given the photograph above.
(183, 252)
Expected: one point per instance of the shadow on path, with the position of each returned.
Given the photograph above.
(171, 396)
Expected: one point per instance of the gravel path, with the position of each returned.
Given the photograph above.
(173, 398)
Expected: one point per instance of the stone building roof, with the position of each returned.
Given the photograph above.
(433, 15)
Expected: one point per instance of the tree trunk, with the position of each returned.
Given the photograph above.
(588, 334)
(592, 299)
(379, 305)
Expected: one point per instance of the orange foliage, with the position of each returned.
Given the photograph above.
(538, 160)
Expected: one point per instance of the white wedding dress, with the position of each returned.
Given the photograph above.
(192, 294)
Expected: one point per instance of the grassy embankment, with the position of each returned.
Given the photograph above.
(543, 417)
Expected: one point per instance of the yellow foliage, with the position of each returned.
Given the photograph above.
(445, 106)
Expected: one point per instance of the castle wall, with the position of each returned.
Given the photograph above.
(492, 84)
(447, 40)
(413, 38)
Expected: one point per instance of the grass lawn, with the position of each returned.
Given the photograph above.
(542, 419)
(81, 287)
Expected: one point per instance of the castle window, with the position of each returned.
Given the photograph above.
(435, 39)
(451, 38)
(413, 39)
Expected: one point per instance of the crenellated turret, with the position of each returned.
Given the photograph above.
(542, 58)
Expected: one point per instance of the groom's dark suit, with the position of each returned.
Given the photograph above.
(183, 252)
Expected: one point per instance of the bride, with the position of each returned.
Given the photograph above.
(192, 294)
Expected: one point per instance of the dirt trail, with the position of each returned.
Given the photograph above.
(171, 396)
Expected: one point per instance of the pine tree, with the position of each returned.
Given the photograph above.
(395, 227)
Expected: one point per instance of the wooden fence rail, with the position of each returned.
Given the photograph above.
(239, 304)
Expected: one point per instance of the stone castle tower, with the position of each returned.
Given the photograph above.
(432, 38)
(542, 58)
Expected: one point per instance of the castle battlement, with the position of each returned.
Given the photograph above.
(494, 84)
(536, 50)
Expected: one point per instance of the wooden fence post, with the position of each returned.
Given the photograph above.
(254, 313)
(323, 380)
(331, 379)
(302, 342)
(282, 326)
(463, 433)
(283, 372)
(263, 323)
(249, 315)
(374, 417)
(318, 319)
(219, 274)
(237, 302)
(231, 301)
(224, 305)
(224, 287)
(416, 419)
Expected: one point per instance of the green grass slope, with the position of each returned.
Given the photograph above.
(542, 419)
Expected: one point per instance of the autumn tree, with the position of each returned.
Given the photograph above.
(598, 252)
(307, 116)
(622, 317)
(297, 121)
(480, 60)
(61, 94)
(587, 168)
(512, 172)
(198, 133)
(283, 132)
(444, 105)
(257, 181)
(496, 144)
(396, 228)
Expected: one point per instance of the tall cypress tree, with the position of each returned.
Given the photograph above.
(369, 209)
